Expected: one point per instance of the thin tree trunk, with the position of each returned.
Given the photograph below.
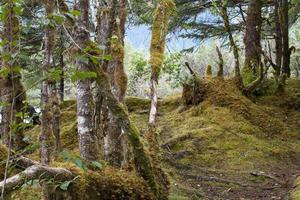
(47, 97)
(285, 38)
(62, 68)
(87, 138)
(252, 37)
(157, 50)
(278, 40)
(238, 77)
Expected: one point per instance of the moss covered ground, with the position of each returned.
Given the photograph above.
(230, 147)
(227, 147)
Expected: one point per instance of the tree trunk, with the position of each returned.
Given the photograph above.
(12, 90)
(252, 37)
(278, 40)
(48, 99)
(238, 77)
(157, 50)
(285, 38)
(116, 147)
(87, 138)
(102, 38)
(62, 68)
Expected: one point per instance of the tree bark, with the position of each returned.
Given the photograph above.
(252, 37)
(87, 138)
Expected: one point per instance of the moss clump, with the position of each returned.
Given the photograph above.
(109, 184)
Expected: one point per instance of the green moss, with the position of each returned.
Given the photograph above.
(109, 184)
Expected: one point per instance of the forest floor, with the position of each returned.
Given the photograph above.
(227, 147)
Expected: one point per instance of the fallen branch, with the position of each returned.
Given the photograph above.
(263, 174)
(36, 172)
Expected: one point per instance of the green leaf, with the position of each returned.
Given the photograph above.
(95, 60)
(80, 163)
(59, 19)
(75, 13)
(64, 186)
(97, 164)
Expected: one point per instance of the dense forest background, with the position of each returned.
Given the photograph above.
(162, 99)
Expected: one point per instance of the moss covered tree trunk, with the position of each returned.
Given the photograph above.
(157, 50)
(237, 71)
(12, 91)
(252, 37)
(102, 34)
(48, 96)
(87, 137)
(116, 145)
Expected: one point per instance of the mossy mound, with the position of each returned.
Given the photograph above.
(110, 184)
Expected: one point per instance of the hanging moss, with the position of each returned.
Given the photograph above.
(159, 33)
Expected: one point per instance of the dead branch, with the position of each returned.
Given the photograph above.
(192, 71)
